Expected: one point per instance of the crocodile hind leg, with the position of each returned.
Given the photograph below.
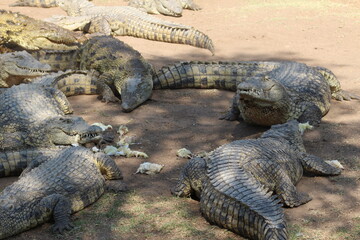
(315, 165)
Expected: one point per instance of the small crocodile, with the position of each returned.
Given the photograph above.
(128, 21)
(165, 7)
(32, 115)
(122, 71)
(236, 182)
(58, 187)
(18, 67)
(21, 32)
(268, 92)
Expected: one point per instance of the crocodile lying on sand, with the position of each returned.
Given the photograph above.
(18, 67)
(34, 116)
(268, 92)
(56, 188)
(165, 7)
(122, 71)
(21, 32)
(235, 182)
(35, 3)
(127, 21)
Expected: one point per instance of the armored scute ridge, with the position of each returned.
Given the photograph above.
(128, 21)
(165, 7)
(56, 188)
(267, 92)
(121, 71)
(241, 183)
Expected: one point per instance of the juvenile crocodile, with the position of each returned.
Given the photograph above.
(122, 71)
(165, 7)
(235, 182)
(267, 92)
(129, 21)
(22, 32)
(18, 67)
(34, 116)
(55, 189)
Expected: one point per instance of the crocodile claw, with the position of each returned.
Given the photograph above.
(344, 95)
(61, 227)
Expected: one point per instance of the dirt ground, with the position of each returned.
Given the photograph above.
(315, 32)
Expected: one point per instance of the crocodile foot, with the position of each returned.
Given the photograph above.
(60, 227)
(344, 95)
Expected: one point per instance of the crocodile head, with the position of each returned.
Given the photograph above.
(290, 131)
(18, 66)
(169, 7)
(263, 101)
(32, 34)
(67, 130)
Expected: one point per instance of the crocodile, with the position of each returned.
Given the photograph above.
(18, 67)
(267, 92)
(128, 21)
(166, 7)
(122, 72)
(21, 32)
(55, 188)
(35, 3)
(240, 184)
(32, 115)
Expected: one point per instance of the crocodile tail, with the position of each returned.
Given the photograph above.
(35, 3)
(206, 75)
(151, 28)
(276, 234)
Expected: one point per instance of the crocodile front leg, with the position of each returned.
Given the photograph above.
(234, 112)
(315, 165)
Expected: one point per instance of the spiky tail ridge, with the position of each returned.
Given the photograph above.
(208, 75)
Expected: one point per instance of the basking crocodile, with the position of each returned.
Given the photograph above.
(235, 182)
(18, 67)
(56, 188)
(35, 3)
(165, 7)
(122, 71)
(268, 92)
(22, 32)
(34, 116)
(128, 21)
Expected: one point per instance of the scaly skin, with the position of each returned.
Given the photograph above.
(122, 71)
(67, 183)
(34, 116)
(129, 21)
(267, 92)
(236, 181)
(35, 3)
(18, 67)
(166, 7)
(20, 31)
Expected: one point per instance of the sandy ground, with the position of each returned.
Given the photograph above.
(315, 32)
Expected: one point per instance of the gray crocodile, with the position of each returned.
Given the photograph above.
(268, 92)
(21, 32)
(32, 115)
(122, 72)
(18, 67)
(241, 183)
(35, 3)
(55, 188)
(127, 21)
(166, 7)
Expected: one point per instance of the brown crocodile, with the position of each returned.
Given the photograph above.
(35, 3)
(18, 67)
(236, 182)
(128, 21)
(166, 7)
(268, 92)
(122, 71)
(55, 188)
(21, 32)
